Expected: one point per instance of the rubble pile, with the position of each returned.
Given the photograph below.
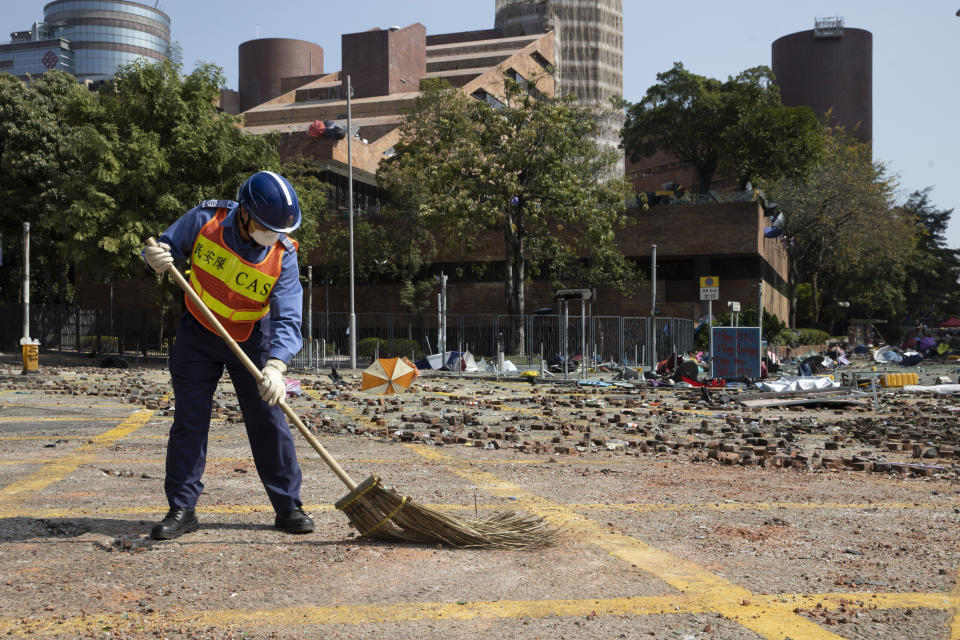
(133, 386)
(910, 436)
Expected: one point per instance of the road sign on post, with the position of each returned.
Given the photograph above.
(574, 294)
(710, 288)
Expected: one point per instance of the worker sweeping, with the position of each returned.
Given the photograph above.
(244, 268)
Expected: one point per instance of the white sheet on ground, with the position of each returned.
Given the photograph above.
(941, 389)
(792, 383)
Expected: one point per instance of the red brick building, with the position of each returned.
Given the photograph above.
(386, 67)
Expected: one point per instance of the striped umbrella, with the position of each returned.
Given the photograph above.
(389, 375)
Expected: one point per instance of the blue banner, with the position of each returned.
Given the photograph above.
(735, 352)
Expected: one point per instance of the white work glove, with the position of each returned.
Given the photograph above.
(158, 258)
(272, 386)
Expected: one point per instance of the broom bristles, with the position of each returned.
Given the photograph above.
(384, 514)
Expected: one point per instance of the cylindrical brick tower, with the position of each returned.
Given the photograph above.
(829, 67)
(265, 61)
(588, 36)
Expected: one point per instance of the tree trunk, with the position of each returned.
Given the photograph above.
(704, 176)
(815, 295)
(514, 268)
(792, 285)
(63, 280)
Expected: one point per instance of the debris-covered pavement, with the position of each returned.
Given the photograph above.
(686, 514)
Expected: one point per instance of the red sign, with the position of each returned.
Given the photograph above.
(50, 60)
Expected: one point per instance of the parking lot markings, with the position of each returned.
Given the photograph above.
(54, 471)
(770, 619)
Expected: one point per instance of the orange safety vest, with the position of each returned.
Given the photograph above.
(236, 291)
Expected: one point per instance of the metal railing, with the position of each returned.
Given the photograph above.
(523, 339)
(69, 329)
(622, 340)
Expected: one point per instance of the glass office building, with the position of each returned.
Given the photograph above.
(88, 38)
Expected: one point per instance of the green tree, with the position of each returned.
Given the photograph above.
(933, 272)
(175, 150)
(314, 205)
(738, 127)
(97, 173)
(56, 160)
(843, 235)
(519, 165)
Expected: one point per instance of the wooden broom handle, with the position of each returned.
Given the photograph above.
(255, 372)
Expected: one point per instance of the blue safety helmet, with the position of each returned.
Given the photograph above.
(271, 200)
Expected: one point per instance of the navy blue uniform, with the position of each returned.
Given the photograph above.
(198, 360)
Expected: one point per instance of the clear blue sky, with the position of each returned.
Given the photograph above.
(916, 58)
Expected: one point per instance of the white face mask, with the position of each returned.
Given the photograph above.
(265, 238)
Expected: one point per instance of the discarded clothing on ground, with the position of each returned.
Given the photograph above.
(712, 384)
(293, 387)
(911, 359)
(887, 354)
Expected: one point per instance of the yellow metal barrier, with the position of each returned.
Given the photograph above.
(899, 379)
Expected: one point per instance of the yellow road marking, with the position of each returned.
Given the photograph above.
(56, 419)
(55, 471)
(678, 604)
(768, 619)
(353, 615)
(236, 509)
(833, 601)
(955, 622)
(757, 506)
(162, 436)
(78, 512)
(75, 405)
(771, 616)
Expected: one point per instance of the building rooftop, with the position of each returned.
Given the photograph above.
(471, 62)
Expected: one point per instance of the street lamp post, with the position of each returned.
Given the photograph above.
(26, 280)
(310, 316)
(353, 315)
(760, 312)
(653, 308)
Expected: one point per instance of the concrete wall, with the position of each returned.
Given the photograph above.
(692, 241)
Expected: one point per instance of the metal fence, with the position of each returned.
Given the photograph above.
(523, 339)
(64, 329)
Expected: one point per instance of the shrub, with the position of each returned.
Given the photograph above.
(812, 336)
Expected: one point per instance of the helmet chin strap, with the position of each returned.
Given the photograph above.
(245, 225)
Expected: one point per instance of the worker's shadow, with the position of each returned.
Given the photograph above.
(119, 534)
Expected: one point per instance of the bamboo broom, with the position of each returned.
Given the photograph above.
(382, 513)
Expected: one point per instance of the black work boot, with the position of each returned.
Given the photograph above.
(176, 523)
(294, 521)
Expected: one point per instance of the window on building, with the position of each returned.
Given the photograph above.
(537, 57)
(482, 95)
